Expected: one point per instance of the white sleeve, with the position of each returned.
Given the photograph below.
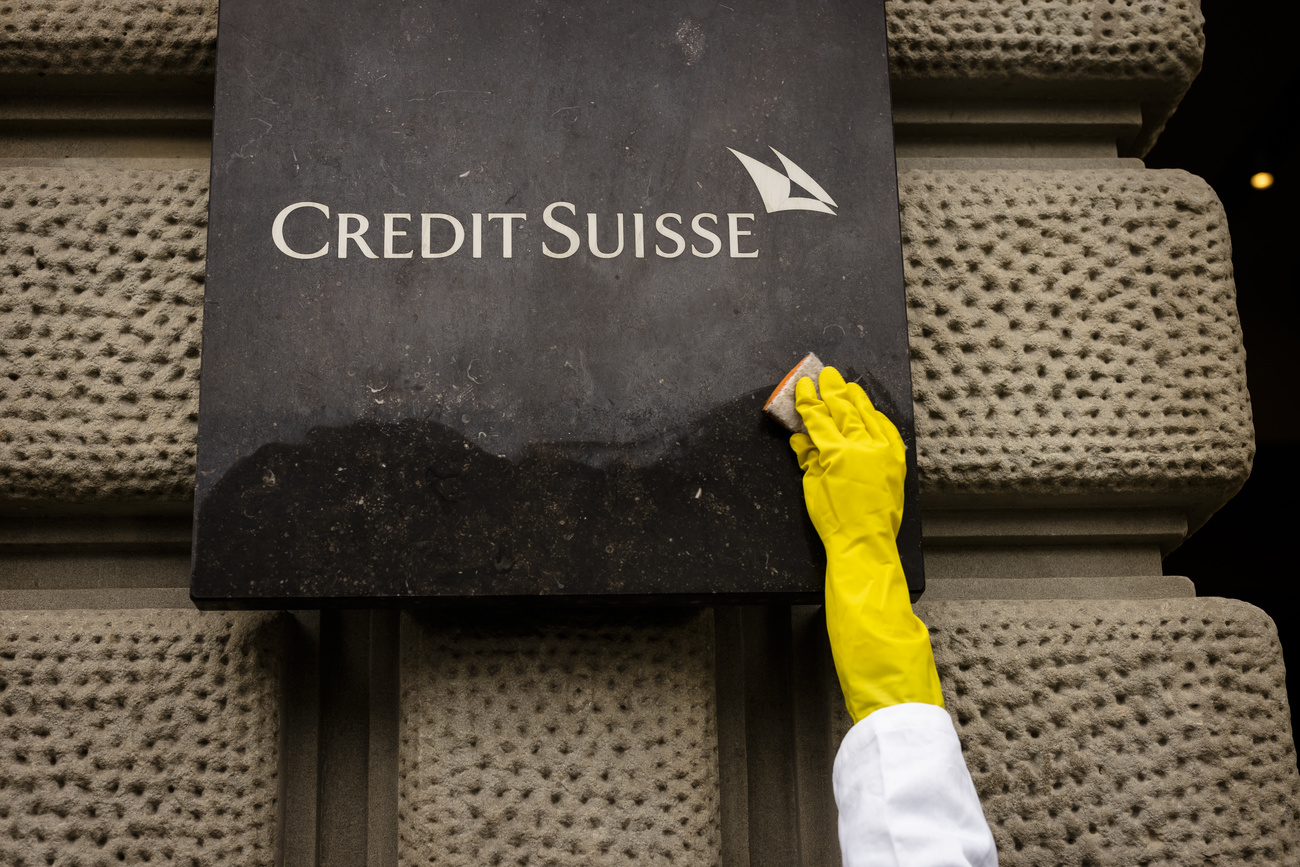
(905, 795)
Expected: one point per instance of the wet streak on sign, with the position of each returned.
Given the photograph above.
(496, 291)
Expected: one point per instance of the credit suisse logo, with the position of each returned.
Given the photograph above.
(667, 236)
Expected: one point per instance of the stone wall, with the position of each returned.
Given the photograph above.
(139, 735)
(1122, 732)
(102, 308)
(573, 742)
(1072, 331)
(1081, 406)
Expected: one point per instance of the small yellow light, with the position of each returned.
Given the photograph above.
(1261, 180)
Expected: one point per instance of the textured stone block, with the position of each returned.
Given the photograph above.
(121, 37)
(559, 744)
(1073, 333)
(1116, 49)
(1072, 40)
(101, 294)
(1122, 732)
(137, 737)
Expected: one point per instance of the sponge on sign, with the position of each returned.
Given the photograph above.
(780, 406)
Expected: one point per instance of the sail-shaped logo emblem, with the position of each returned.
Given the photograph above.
(776, 187)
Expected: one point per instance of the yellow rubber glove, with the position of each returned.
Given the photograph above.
(854, 463)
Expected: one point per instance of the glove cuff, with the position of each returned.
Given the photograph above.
(881, 648)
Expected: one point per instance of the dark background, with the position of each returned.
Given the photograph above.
(1238, 119)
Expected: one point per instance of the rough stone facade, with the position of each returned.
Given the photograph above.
(1121, 732)
(1073, 330)
(1123, 40)
(1150, 51)
(125, 37)
(102, 305)
(138, 737)
(570, 743)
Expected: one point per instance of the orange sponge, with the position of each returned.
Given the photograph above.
(780, 406)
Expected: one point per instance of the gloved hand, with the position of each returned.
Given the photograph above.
(854, 463)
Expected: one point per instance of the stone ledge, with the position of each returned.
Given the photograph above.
(1109, 587)
(138, 736)
(1074, 337)
(112, 598)
(1121, 732)
(584, 743)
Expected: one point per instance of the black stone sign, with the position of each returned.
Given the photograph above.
(496, 290)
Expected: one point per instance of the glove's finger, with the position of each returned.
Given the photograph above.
(871, 419)
(881, 428)
(816, 417)
(835, 395)
(804, 450)
(892, 436)
(878, 425)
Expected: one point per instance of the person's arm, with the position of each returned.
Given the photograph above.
(904, 793)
